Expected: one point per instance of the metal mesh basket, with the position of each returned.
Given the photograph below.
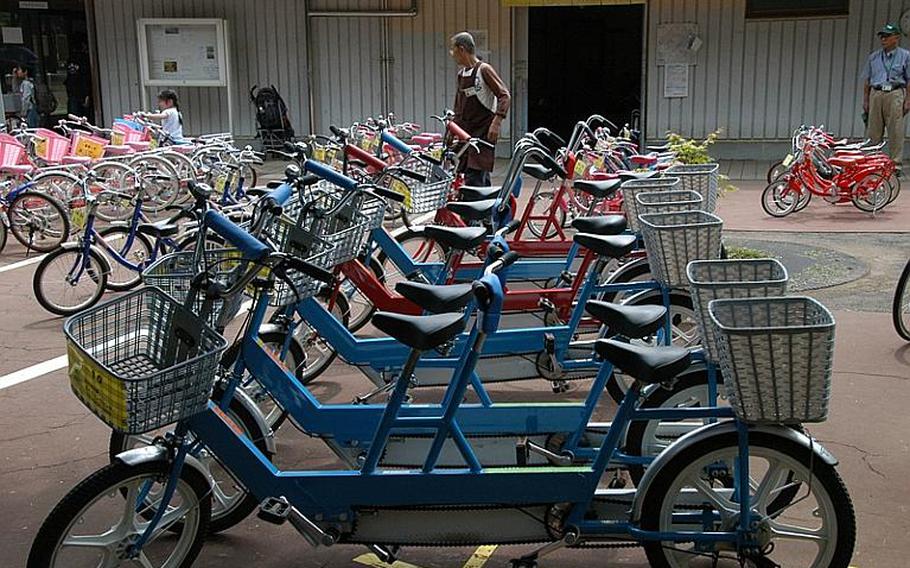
(672, 240)
(777, 356)
(329, 214)
(173, 273)
(142, 361)
(668, 201)
(701, 178)
(635, 186)
(420, 197)
(725, 279)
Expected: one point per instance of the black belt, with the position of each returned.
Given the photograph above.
(893, 87)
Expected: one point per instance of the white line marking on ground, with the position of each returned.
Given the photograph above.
(33, 372)
(22, 263)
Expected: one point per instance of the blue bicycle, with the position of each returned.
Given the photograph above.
(711, 497)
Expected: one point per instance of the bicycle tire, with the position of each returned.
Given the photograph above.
(361, 317)
(24, 202)
(771, 202)
(901, 301)
(107, 481)
(537, 230)
(390, 271)
(824, 474)
(3, 234)
(100, 279)
(61, 185)
(145, 253)
(115, 181)
(776, 170)
(219, 521)
(309, 338)
(861, 200)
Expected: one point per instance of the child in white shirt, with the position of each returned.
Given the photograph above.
(169, 115)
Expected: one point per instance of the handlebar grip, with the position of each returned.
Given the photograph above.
(388, 193)
(413, 175)
(327, 173)
(251, 247)
(395, 142)
(552, 164)
(337, 131)
(512, 226)
(309, 269)
(507, 260)
(495, 252)
(281, 194)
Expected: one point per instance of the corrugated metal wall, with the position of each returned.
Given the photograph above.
(758, 79)
(267, 44)
(347, 54)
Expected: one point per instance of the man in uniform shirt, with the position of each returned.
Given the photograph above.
(885, 91)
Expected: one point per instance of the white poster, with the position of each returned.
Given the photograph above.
(676, 81)
(183, 52)
(12, 35)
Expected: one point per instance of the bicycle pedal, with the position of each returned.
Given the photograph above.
(522, 452)
(560, 387)
(274, 510)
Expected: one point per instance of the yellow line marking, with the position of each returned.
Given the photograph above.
(480, 556)
(373, 560)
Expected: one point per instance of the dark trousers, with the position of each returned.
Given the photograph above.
(477, 178)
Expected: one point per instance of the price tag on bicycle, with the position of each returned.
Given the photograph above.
(580, 168)
(319, 154)
(220, 183)
(399, 186)
(41, 147)
(788, 160)
(77, 217)
(117, 138)
(89, 148)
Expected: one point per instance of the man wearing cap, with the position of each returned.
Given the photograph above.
(885, 91)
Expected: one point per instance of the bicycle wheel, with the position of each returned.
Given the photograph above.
(231, 502)
(114, 184)
(61, 185)
(543, 206)
(122, 278)
(871, 193)
(776, 170)
(895, 182)
(295, 360)
(817, 529)
(161, 181)
(38, 221)
(65, 282)
(319, 354)
(420, 248)
(900, 308)
(778, 200)
(79, 529)
(2, 235)
(361, 307)
(804, 199)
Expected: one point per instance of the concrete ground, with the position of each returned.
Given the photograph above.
(49, 441)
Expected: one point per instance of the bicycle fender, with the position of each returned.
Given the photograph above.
(682, 445)
(156, 453)
(106, 263)
(265, 433)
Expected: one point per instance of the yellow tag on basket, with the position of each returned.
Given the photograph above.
(437, 152)
(77, 217)
(372, 143)
(220, 182)
(153, 143)
(580, 168)
(89, 148)
(319, 154)
(117, 138)
(599, 161)
(41, 147)
(788, 160)
(97, 388)
(401, 187)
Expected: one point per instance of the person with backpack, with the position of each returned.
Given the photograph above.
(28, 108)
(169, 115)
(481, 103)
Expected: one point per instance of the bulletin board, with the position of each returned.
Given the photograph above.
(183, 52)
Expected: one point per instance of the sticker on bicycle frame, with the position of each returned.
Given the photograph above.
(100, 390)
(117, 138)
(89, 148)
(41, 147)
(78, 217)
(580, 168)
(401, 187)
(788, 160)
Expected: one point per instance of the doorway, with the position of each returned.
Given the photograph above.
(584, 60)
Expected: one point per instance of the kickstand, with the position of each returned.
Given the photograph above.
(365, 398)
(530, 560)
(387, 554)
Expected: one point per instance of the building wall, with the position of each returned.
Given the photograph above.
(267, 45)
(759, 79)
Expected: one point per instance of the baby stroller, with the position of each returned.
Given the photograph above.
(272, 124)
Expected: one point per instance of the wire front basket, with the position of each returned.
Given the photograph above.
(633, 187)
(668, 201)
(174, 273)
(701, 178)
(777, 357)
(672, 240)
(731, 279)
(142, 361)
(420, 196)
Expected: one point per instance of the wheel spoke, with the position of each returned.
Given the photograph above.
(766, 490)
(104, 540)
(724, 506)
(144, 561)
(791, 532)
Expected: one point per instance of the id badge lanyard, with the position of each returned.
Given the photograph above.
(888, 68)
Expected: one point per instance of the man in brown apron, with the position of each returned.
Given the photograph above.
(481, 103)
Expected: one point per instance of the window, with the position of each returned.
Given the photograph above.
(800, 9)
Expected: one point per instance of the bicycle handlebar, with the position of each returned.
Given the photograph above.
(251, 247)
(329, 174)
